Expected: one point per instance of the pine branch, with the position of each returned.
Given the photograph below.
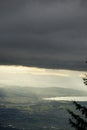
(79, 122)
(74, 116)
(85, 79)
(76, 126)
(81, 108)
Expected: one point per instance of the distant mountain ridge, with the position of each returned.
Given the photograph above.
(39, 92)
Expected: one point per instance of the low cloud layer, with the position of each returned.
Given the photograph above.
(44, 33)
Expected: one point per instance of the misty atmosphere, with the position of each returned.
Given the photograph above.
(43, 55)
(26, 107)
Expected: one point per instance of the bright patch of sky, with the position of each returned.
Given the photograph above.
(38, 77)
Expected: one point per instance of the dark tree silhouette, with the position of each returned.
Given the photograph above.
(85, 79)
(79, 121)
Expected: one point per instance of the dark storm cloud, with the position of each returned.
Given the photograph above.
(44, 33)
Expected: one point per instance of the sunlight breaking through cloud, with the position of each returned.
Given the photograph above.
(40, 77)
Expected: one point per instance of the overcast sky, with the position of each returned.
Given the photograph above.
(44, 33)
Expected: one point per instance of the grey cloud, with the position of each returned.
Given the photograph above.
(39, 17)
(44, 33)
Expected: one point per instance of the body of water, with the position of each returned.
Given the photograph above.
(76, 98)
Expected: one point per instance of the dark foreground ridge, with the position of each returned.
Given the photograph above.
(8, 128)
